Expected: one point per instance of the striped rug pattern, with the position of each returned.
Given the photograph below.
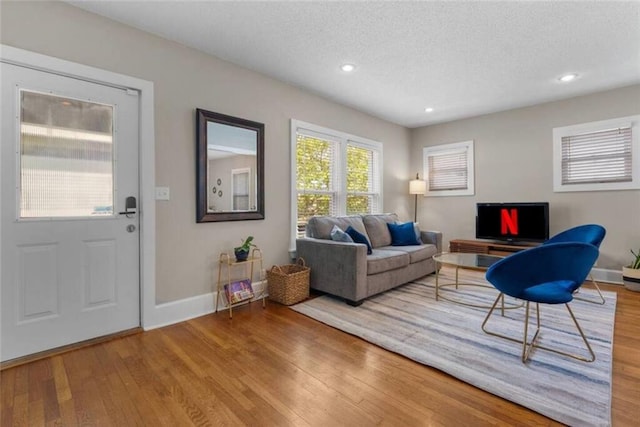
(448, 336)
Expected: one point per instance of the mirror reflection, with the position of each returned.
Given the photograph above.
(232, 160)
(229, 168)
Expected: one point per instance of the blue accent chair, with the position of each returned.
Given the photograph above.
(547, 274)
(588, 233)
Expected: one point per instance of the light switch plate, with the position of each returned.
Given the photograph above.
(162, 193)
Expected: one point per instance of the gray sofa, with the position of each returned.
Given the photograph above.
(345, 269)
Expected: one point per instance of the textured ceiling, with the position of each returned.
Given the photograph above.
(461, 58)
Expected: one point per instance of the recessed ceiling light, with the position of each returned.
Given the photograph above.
(568, 77)
(347, 68)
(428, 110)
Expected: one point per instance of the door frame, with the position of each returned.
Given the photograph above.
(147, 209)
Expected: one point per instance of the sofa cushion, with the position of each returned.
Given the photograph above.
(403, 234)
(319, 227)
(416, 253)
(382, 260)
(359, 238)
(377, 229)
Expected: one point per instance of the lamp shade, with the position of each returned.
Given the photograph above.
(417, 186)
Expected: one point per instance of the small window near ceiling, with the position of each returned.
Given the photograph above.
(597, 156)
(448, 169)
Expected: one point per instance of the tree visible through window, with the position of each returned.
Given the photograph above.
(314, 178)
(361, 195)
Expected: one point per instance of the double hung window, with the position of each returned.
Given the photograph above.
(448, 169)
(597, 156)
(333, 173)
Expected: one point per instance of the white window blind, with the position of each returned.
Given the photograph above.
(449, 169)
(363, 180)
(597, 157)
(66, 157)
(315, 177)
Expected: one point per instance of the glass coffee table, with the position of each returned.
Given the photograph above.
(468, 261)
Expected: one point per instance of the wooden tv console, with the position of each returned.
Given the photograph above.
(486, 247)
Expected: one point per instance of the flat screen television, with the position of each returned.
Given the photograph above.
(513, 222)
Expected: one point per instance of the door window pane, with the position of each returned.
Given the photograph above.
(66, 157)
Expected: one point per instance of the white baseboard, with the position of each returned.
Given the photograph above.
(189, 308)
(608, 276)
(179, 311)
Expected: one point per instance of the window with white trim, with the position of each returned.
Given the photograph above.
(333, 173)
(448, 169)
(595, 156)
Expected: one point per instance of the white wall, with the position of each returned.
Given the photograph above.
(186, 79)
(513, 162)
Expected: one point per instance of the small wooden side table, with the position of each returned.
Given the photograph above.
(230, 263)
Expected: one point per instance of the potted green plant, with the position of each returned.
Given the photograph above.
(242, 251)
(631, 273)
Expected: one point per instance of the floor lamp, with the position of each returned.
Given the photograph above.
(417, 186)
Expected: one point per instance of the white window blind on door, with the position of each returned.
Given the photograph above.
(597, 157)
(66, 157)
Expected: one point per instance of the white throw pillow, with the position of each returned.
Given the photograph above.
(340, 236)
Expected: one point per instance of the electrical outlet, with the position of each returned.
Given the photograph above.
(162, 193)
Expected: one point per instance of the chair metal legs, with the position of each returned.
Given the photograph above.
(601, 302)
(528, 346)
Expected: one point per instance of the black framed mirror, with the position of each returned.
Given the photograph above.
(229, 157)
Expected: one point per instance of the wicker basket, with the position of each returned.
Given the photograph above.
(289, 284)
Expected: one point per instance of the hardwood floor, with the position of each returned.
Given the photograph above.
(274, 367)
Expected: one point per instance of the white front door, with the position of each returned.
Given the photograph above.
(70, 258)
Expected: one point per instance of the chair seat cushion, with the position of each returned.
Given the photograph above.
(557, 292)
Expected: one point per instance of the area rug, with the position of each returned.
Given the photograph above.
(448, 336)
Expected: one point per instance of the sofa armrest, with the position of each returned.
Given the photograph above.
(433, 238)
(337, 268)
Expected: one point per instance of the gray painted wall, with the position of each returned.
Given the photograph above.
(513, 162)
(185, 79)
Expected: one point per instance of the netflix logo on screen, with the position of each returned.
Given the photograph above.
(513, 221)
(509, 221)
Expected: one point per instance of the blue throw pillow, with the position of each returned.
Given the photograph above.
(403, 234)
(340, 236)
(359, 238)
(416, 228)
